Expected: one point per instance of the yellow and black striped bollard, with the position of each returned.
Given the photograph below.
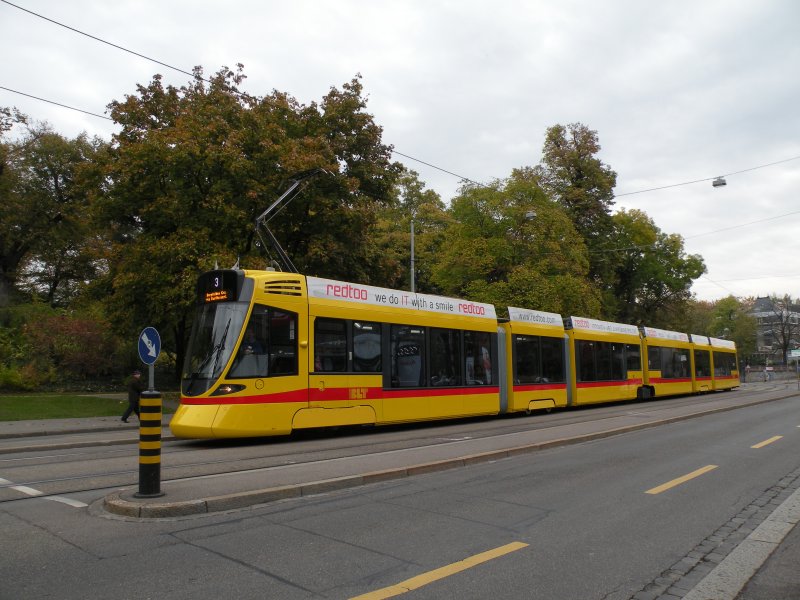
(149, 445)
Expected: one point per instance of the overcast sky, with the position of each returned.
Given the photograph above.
(677, 91)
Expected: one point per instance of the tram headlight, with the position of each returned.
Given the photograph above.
(227, 388)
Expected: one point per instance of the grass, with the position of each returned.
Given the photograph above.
(63, 406)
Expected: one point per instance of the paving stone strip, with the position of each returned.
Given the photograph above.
(677, 581)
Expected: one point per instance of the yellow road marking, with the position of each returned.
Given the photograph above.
(440, 573)
(767, 442)
(671, 484)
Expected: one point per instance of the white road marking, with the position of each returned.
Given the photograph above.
(36, 493)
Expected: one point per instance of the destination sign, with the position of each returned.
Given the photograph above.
(218, 286)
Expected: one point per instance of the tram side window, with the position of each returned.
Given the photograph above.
(407, 345)
(702, 363)
(527, 359)
(682, 363)
(600, 361)
(618, 362)
(538, 359)
(553, 360)
(633, 356)
(724, 363)
(367, 347)
(269, 345)
(283, 343)
(585, 352)
(479, 359)
(445, 357)
(330, 345)
(654, 358)
(604, 361)
(674, 363)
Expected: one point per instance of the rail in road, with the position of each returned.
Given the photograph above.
(255, 486)
(236, 474)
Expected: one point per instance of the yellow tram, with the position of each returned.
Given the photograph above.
(271, 352)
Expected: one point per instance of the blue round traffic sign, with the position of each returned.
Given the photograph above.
(149, 345)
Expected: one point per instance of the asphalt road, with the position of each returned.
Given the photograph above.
(601, 519)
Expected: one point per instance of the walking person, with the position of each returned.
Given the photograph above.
(135, 389)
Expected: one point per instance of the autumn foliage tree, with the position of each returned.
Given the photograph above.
(117, 232)
(573, 176)
(191, 169)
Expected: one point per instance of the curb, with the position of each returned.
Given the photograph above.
(731, 575)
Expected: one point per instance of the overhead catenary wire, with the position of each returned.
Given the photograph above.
(196, 75)
(179, 70)
(599, 251)
(87, 112)
(101, 40)
(603, 250)
(467, 179)
(672, 185)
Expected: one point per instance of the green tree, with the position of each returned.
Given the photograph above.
(652, 274)
(393, 234)
(583, 185)
(696, 318)
(44, 214)
(192, 168)
(508, 244)
(731, 320)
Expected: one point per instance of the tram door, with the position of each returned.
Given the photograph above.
(346, 368)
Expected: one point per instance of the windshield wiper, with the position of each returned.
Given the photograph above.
(214, 353)
(219, 346)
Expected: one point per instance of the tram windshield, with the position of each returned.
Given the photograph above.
(216, 329)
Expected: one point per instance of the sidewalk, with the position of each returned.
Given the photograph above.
(775, 575)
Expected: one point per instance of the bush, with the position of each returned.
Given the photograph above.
(75, 346)
(13, 379)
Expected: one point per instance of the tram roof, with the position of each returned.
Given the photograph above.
(718, 343)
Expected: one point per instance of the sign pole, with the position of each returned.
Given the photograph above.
(150, 416)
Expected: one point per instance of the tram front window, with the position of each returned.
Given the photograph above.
(214, 334)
